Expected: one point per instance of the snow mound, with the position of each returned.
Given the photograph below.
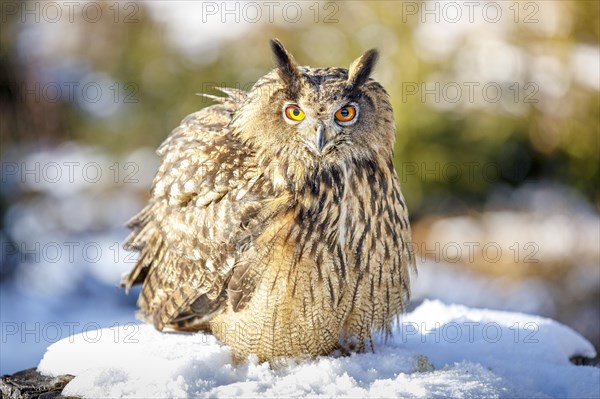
(437, 350)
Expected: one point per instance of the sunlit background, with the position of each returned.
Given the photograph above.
(497, 112)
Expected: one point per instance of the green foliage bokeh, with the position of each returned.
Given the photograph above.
(447, 157)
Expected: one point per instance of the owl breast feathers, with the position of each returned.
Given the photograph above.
(276, 220)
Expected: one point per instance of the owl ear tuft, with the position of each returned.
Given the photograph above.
(288, 68)
(361, 69)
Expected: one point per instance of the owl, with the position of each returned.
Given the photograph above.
(276, 220)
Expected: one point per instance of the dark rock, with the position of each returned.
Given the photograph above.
(30, 384)
(585, 361)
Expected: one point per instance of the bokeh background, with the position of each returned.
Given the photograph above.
(497, 111)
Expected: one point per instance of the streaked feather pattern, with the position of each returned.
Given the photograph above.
(277, 251)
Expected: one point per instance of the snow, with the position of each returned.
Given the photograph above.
(438, 350)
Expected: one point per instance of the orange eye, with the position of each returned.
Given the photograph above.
(294, 113)
(346, 114)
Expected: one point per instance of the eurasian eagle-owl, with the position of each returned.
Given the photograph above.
(276, 219)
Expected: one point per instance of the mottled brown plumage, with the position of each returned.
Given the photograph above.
(282, 237)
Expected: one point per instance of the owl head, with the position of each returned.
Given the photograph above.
(305, 119)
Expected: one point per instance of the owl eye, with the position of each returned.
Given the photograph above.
(346, 114)
(294, 113)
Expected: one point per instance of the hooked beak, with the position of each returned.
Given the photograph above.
(320, 137)
(317, 140)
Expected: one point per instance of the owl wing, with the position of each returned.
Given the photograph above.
(193, 231)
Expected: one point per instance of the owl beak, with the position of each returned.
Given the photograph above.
(320, 137)
(317, 140)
